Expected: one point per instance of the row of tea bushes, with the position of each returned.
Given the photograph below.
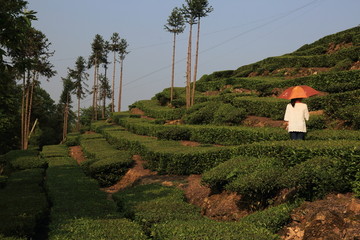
(20, 159)
(23, 204)
(164, 214)
(208, 134)
(168, 156)
(105, 163)
(79, 210)
(313, 168)
(153, 109)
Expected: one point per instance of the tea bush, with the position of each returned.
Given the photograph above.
(79, 210)
(23, 204)
(206, 229)
(315, 177)
(106, 164)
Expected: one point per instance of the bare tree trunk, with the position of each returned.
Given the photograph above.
(31, 94)
(196, 64)
(113, 86)
(23, 113)
(173, 71)
(188, 70)
(120, 87)
(66, 117)
(26, 111)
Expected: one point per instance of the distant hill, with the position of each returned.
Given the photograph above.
(330, 65)
(339, 51)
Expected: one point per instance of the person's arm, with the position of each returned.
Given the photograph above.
(306, 113)
(286, 117)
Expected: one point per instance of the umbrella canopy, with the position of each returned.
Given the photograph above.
(302, 91)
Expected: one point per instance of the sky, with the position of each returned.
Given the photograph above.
(236, 33)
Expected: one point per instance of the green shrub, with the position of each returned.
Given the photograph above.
(72, 139)
(262, 106)
(94, 229)
(227, 114)
(356, 185)
(329, 134)
(219, 176)
(153, 203)
(206, 229)
(153, 109)
(202, 113)
(106, 164)
(174, 133)
(260, 183)
(273, 218)
(54, 151)
(79, 210)
(23, 204)
(316, 122)
(25, 159)
(315, 178)
(294, 152)
(351, 114)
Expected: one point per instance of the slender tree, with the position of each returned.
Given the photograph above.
(114, 47)
(79, 75)
(122, 54)
(65, 100)
(105, 92)
(176, 25)
(94, 61)
(201, 9)
(32, 61)
(189, 13)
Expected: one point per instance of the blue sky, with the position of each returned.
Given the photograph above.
(236, 33)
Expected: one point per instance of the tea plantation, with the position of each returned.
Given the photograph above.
(47, 195)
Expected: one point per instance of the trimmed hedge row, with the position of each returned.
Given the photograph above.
(294, 152)
(206, 229)
(105, 163)
(153, 203)
(325, 60)
(153, 109)
(168, 156)
(313, 168)
(24, 159)
(54, 151)
(79, 210)
(23, 204)
(210, 134)
(165, 215)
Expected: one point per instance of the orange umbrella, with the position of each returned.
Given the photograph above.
(302, 91)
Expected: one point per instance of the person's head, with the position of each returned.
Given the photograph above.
(295, 100)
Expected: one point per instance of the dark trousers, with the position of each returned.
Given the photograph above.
(297, 135)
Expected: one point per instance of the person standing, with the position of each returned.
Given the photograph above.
(296, 115)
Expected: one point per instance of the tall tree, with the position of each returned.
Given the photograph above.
(201, 9)
(104, 87)
(122, 54)
(105, 92)
(14, 23)
(32, 61)
(189, 12)
(65, 100)
(79, 75)
(114, 47)
(176, 25)
(95, 59)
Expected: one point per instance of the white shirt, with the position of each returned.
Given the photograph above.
(296, 117)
